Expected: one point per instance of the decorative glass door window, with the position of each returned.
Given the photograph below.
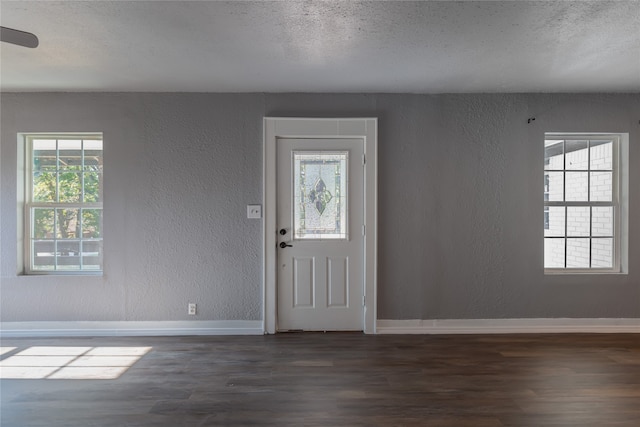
(320, 194)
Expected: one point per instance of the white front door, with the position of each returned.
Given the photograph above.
(320, 245)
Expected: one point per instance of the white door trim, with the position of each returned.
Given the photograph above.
(281, 127)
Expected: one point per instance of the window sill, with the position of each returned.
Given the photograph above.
(578, 272)
(62, 274)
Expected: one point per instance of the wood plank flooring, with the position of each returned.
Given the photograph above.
(340, 379)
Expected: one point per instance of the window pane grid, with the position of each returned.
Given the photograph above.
(65, 208)
(604, 261)
(584, 189)
(54, 250)
(591, 237)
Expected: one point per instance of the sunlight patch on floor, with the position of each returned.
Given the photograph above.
(80, 363)
(4, 350)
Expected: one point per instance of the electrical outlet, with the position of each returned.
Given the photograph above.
(254, 211)
(192, 309)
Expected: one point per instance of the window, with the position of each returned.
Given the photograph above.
(320, 194)
(582, 213)
(63, 203)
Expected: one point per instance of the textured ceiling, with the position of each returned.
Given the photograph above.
(316, 46)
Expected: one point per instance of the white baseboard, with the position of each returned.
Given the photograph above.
(507, 326)
(125, 328)
(255, 327)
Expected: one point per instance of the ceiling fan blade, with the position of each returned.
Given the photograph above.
(21, 38)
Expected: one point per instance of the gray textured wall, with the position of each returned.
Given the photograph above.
(460, 209)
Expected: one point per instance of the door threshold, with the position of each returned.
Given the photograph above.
(301, 331)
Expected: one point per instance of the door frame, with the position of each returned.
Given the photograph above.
(321, 128)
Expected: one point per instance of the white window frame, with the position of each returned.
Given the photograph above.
(30, 205)
(618, 200)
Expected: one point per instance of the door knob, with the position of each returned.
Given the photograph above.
(283, 231)
(284, 245)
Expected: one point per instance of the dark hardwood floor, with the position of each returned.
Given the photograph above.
(335, 379)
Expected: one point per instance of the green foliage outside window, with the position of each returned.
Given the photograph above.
(70, 190)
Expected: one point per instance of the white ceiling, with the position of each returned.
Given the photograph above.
(324, 46)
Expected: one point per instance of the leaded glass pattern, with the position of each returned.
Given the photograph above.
(320, 194)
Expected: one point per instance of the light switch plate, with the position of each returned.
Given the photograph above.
(254, 211)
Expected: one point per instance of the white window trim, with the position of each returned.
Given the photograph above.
(620, 155)
(27, 205)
